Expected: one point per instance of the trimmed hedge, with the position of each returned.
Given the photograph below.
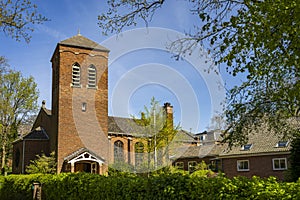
(172, 186)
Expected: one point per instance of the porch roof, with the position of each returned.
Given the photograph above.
(83, 154)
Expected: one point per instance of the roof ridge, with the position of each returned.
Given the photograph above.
(83, 42)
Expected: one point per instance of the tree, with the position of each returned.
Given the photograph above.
(156, 133)
(43, 164)
(17, 18)
(18, 100)
(259, 38)
(294, 170)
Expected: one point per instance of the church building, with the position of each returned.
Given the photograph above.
(78, 128)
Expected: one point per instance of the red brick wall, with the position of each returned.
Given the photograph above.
(259, 166)
(78, 129)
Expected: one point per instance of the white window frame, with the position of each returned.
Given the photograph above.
(282, 142)
(179, 165)
(238, 164)
(249, 146)
(280, 168)
(189, 167)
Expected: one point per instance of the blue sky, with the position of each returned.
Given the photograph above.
(182, 83)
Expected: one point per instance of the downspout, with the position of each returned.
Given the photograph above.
(23, 156)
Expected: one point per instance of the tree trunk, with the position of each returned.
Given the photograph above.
(3, 158)
(4, 136)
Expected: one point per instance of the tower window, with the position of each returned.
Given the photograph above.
(83, 107)
(92, 76)
(76, 75)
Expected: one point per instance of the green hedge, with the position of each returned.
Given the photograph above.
(174, 186)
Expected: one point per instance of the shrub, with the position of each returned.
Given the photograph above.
(159, 186)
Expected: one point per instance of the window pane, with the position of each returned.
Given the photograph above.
(243, 165)
(276, 164)
(118, 151)
(282, 164)
(179, 165)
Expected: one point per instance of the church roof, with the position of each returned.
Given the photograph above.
(81, 41)
(37, 134)
(125, 126)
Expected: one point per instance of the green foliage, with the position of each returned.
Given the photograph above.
(202, 170)
(170, 186)
(259, 39)
(155, 133)
(18, 100)
(294, 170)
(17, 18)
(42, 164)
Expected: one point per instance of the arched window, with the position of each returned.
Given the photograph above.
(118, 151)
(92, 76)
(76, 75)
(139, 152)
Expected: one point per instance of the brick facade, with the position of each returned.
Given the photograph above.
(77, 128)
(260, 165)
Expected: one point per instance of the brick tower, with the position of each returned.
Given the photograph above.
(80, 105)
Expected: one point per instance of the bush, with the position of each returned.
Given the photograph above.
(161, 186)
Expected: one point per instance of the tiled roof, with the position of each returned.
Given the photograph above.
(201, 151)
(122, 125)
(184, 136)
(81, 41)
(263, 141)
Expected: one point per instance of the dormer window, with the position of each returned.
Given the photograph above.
(92, 76)
(76, 75)
(282, 144)
(246, 147)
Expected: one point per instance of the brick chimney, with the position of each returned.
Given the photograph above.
(169, 114)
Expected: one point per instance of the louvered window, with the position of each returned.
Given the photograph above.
(76, 75)
(92, 77)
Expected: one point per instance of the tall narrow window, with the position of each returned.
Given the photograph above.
(139, 153)
(76, 75)
(118, 151)
(92, 76)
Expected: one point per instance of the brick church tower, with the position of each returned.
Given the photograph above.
(80, 105)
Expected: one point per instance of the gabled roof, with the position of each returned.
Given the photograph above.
(184, 136)
(37, 134)
(47, 111)
(83, 42)
(82, 151)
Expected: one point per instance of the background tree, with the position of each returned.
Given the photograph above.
(258, 38)
(17, 18)
(156, 133)
(244, 36)
(18, 100)
(43, 164)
